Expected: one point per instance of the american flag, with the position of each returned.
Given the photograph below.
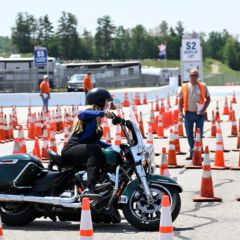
(162, 50)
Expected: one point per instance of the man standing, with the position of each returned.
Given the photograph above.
(194, 99)
(45, 92)
(87, 83)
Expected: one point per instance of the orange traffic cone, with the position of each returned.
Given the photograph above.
(108, 137)
(180, 126)
(166, 227)
(152, 121)
(226, 109)
(217, 117)
(36, 148)
(234, 100)
(238, 138)
(219, 162)
(207, 194)
(86, 226)
(234, 126)
(1, 229)
(145, 99)
(213, 128)
(23, 148)
(125, 100)
(230, 112)
(137, 99)
(172, 160)
(31, 128)
(156, 105)
(11, 134)
(150, 135)
(177, 142)
(118, 137)
(197, 152)
(16, 146)
(141, 126)
(164, 163)
(160, 130)
(45, 146)
(67, 133)
(53, 145)
(162, 108)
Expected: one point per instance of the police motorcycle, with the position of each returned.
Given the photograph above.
(28, 190)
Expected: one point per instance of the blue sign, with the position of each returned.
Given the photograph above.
(40, 56)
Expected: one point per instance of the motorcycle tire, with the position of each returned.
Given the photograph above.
(143, 224)
(17, 214)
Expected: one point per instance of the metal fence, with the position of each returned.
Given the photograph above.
(222, 79)
(20, 80)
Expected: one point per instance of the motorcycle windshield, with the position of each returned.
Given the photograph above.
(141, 143)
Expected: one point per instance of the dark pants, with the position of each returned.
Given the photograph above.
(85, 156)
(190, 119)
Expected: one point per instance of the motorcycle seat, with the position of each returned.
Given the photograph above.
(54, 158)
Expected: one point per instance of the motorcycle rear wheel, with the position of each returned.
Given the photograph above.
(17, 214)
(150, 219)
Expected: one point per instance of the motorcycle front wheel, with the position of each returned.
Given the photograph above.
(144, 216)
(17, 214)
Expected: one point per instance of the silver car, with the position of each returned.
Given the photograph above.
(76, 82)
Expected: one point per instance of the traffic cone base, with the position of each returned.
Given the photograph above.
(219, 168)
(206, 199)
(175, 166)
(235, 168)
(238, 198)
(192, 167)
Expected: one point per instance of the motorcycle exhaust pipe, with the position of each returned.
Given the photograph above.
(68, 202)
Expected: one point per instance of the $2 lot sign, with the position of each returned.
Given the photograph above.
(191, 50)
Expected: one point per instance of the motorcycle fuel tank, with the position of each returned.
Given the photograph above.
(112, 157)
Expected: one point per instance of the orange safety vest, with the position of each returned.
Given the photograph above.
(87, 83)
(185, 94)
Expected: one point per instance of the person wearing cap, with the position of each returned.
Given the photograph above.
(194, 100)
(45, 92)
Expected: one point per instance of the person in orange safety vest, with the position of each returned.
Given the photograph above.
(194, 100)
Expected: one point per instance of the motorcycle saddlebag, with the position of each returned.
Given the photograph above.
(18, 169)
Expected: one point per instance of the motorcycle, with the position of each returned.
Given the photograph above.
(28, 190)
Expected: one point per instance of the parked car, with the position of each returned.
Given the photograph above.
(76, 82)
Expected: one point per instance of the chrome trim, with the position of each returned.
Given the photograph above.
(123, 199)
(9, 161)
(57, 201)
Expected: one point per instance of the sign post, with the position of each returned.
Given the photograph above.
(191, 56)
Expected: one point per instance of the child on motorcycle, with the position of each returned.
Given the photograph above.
(83, 149)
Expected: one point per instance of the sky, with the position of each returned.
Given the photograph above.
(199, 16)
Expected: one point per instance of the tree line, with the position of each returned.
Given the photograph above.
(111, 41)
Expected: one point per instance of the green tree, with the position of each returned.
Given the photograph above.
(215, 43)
(179, 28)
(231, 53)
(104, 37)
(138, 42)
(87, 43)
(163, 29)
(5, 45)
(44, 30)
(121, 42)
(24, 32)
(68, 36)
